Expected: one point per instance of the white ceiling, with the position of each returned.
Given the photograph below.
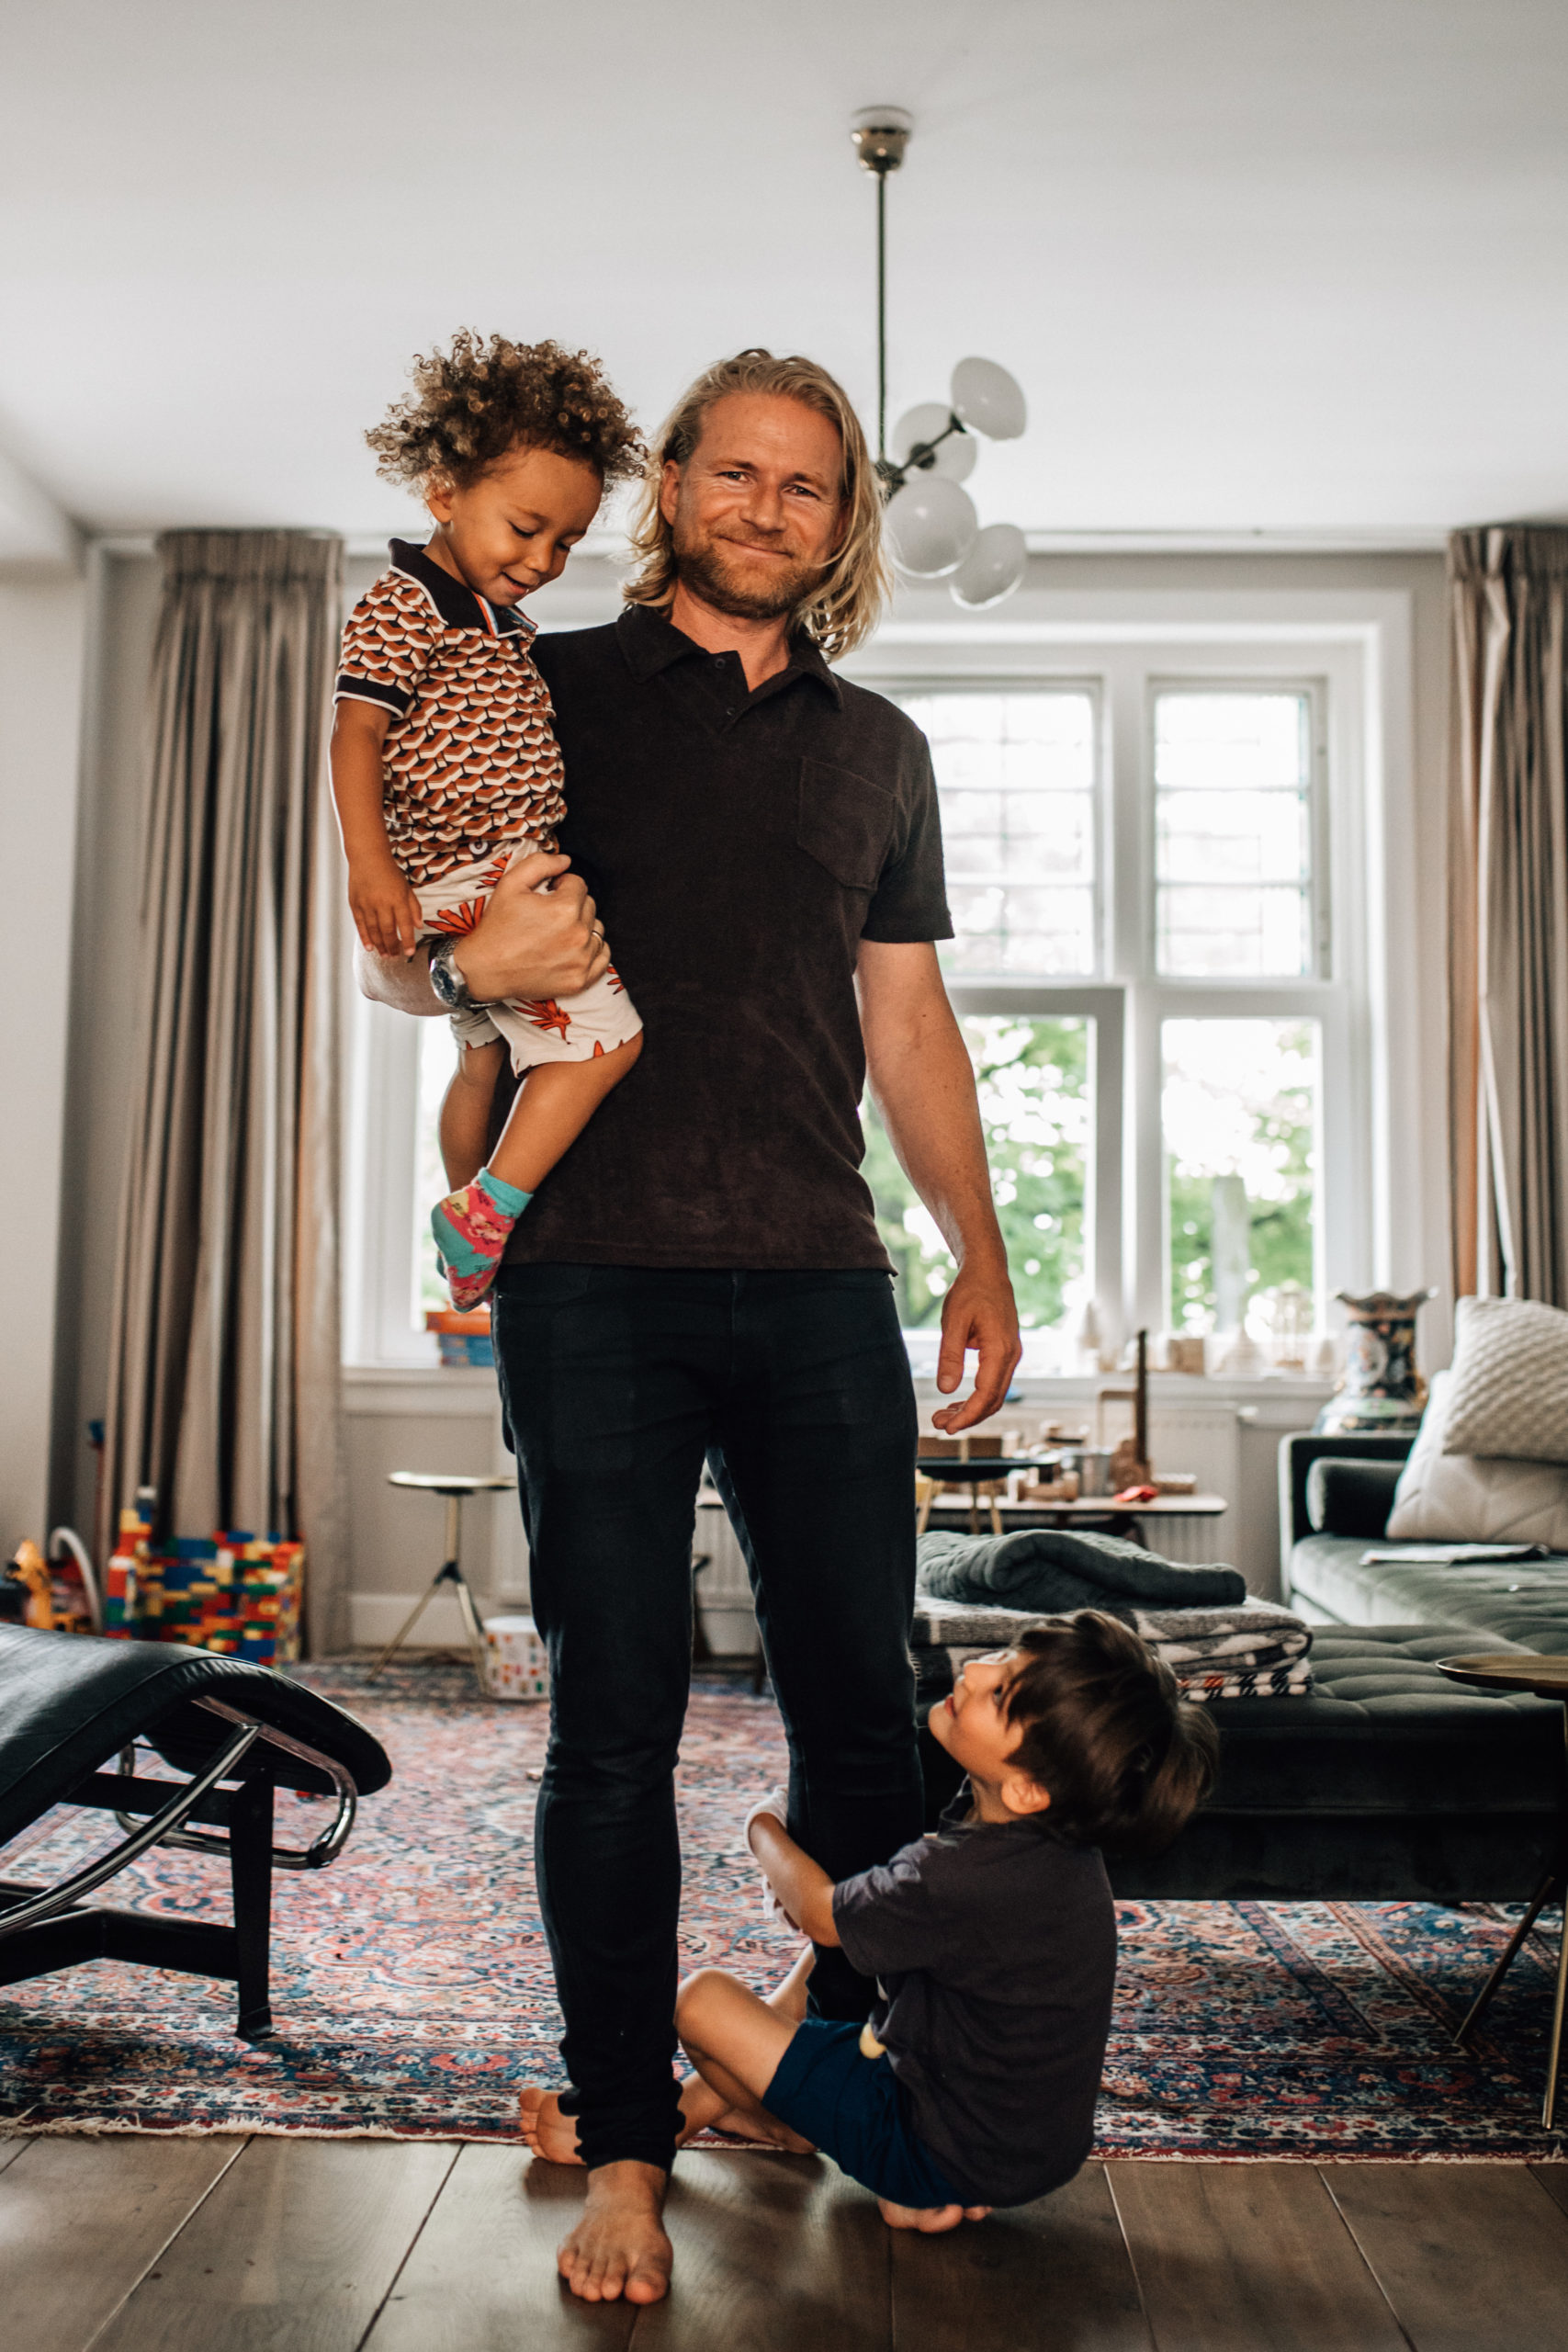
(1272, 264)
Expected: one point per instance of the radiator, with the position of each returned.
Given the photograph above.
(1204, 1440)
(724, 1588)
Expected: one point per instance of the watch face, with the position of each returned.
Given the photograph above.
(447, 984)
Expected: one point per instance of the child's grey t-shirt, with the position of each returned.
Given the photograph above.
(996, 1947)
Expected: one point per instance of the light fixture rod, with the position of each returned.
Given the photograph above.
(880, 319)
(880, 135)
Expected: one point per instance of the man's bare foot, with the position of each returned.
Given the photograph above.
(619, 2246)
(929, 2218)
(548, 2132)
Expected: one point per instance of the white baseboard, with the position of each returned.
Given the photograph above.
(732, 1630)
(374, 1618)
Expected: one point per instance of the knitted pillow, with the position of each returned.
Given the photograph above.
(1509, 1396)
(1475, 1498)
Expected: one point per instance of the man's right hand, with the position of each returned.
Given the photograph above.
(533, 944)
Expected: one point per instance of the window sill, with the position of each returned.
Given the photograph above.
(1289, 1399)
(1175, 1391)
(461, 1393)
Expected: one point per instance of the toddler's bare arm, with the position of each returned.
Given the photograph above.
(385, 910)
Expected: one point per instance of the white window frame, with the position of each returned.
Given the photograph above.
(380, 1162)
(1093, 685)
(1352, 656)
(1358, 643)
(1320, 829)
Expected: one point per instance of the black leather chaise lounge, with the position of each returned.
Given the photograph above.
(71, 1704)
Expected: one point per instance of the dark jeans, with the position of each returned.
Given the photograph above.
(617, 1382)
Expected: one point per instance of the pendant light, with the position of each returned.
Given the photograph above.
(933, 529)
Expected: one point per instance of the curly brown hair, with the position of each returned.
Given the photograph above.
(473, 404)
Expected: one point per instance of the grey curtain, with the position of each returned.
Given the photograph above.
(1508, 912)
(225, 1381)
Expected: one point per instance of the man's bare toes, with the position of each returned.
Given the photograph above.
(648, 2282)
(976, 2212)
(604, 2259)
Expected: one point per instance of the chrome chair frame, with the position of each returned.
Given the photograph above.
(42, 1928)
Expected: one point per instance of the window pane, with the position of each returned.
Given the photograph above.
(1015, 774)
(1240, 1112)
(1036, 1102)
(437, 1059)
(1233, 835)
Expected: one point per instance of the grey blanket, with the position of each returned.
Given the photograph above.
(1052, 1569)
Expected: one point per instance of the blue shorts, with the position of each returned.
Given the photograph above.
(855, 2109)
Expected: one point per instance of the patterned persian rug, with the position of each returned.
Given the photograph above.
(412, 1993)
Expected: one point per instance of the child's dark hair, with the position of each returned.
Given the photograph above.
(1106, 1730)
(472, 404)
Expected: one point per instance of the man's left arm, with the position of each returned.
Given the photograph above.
(920, 1076)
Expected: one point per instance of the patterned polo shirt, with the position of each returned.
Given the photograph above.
(471, 763)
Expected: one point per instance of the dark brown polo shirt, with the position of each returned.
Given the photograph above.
(739, 846)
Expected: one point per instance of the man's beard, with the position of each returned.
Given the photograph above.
(701, 567)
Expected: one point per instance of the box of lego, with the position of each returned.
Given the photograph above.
(233, 1592)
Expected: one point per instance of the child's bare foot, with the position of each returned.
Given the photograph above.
(619, 2246)
(548, 2132)
(743, 2126)
(929, 2218)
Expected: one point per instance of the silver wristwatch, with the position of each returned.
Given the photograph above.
(447, 978)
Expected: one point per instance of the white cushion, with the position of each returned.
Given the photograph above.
(1475, 1498)
(1510, 1380)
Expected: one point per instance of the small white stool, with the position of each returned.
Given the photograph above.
(457, 1487)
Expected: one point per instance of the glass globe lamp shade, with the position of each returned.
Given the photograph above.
(931, 526)
(993, 567)
(989, 400)
(955, 459)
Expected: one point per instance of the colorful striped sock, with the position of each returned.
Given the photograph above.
(471, 1228)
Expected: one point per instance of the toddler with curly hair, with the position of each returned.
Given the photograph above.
(445, 769)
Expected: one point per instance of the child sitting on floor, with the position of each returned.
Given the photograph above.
(994, 1941)
(445, 765)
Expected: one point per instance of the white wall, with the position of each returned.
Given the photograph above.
(41, 631)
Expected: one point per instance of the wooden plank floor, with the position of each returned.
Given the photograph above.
(127, 2244)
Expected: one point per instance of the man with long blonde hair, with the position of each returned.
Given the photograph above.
(702, 1276)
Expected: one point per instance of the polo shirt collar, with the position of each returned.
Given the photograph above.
(454, 602)
(651, 642)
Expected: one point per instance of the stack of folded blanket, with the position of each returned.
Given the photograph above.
(976, 1592)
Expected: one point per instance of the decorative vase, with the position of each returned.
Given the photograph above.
(1380, 1392)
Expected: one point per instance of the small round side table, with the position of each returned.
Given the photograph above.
(454, 1486)
(1548, 1679)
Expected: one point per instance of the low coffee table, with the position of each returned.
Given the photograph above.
(981, 1473)
(1102, 1513)
(1546, 1678)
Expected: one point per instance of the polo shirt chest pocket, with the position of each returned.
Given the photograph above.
(845, 822)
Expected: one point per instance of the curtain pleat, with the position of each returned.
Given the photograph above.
(224, 1371)
(1508, 912)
